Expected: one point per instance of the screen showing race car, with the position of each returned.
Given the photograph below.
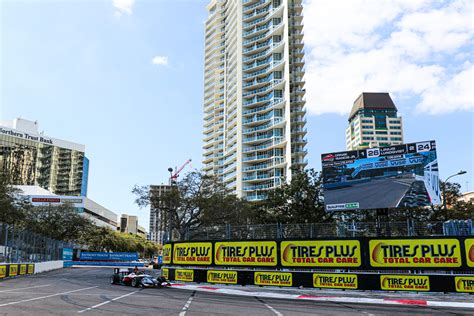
(379, 178)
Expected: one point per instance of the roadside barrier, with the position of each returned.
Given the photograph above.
(407, 262)
(16, 269)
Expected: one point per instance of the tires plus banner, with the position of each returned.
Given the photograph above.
(225, 277)
(192, 253)
(3, 271)
(22, 269)
(184, 275)
(13, 270)
(415, 253)
(321, 253)
(256, 253)
(404, 283)
(165, 273)
(335, 281)
(31, 268)
(469, 245)
(166, 254)
(464, 284)
(273, 278)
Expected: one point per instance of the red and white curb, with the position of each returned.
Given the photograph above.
(338, 299)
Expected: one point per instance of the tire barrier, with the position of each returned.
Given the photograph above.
(427, 253)
(8, 270)
(349, 281)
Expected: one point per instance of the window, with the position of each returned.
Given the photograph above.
(278, 75)
(367, 138)
(277, 56)
(395, 127)
(367, 126)
(276, 21)
(366, 121)
(368, 132)
(382, 138)
(381, 132)
(396, 138)
(278, 93)
(276, 38)
(396, 133)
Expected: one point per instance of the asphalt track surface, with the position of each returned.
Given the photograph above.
(87, 291)
(377, 193)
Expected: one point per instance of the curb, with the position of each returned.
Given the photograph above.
(325, 298)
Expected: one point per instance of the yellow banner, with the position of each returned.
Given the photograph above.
(321, 253)
(13, 270)
(469, 244)
(22, 269)
(31, 268)
(256, 253)
(404, 283)
(166, 273)
(184, 275)
(226, 277)
(3, 271)
(192, 253)
(414, 253)
(166, 254)
(464, 284)
(335, 281)
(273, 278)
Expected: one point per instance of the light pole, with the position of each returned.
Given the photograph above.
(460, 172)
(170, 223)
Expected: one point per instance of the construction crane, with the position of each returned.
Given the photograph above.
(174, 175)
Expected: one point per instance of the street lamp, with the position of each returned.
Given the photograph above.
(170, 221)
(460, 172)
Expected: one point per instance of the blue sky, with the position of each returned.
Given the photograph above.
(85, 71)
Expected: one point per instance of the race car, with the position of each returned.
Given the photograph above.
(126, 276)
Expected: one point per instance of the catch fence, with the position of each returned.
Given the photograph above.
(278, 231)
(20, 245)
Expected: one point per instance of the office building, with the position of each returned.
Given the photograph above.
(129, 225)
(373, 122)
(96, 213)
(158, 213)
(35, 159)
(254, 114)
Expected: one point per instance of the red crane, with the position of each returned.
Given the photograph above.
(174, 176)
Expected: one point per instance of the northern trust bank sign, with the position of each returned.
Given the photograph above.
(40, 139)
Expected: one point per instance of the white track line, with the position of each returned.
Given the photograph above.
(47, 296)
(24, 288)
(269, 307)
(186, 306)
(107, 302)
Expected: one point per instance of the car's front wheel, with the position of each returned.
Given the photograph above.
(135, 282)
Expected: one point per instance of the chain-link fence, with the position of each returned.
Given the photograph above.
(325, 230)
(19, 245)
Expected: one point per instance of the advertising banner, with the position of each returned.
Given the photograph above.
(335, 281)
(22, 269)
(13, 270)
(321, 253)
(184, 275)
(31, 268)
(387, 177)
(404, 283)
(273, 278)
(165, 273)
(255, 253)
(67, 254)
(109, 256)
(464, 284)
(192, 253)
(3, 271)
(224, 277)
(166, 256)
(469, 246)
(415, 253)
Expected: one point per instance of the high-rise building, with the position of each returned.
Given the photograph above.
(158, 213)
(34, 159)
(129, 225)
(254, 114)
(373, 122)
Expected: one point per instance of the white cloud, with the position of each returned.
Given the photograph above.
(160, 60)
(123, 6)
(398, 46)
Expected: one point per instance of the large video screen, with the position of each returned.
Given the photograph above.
(380, 178)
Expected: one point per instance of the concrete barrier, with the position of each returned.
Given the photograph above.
(48, 266)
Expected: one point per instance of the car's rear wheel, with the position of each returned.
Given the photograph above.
(113, 280)
(135, 282)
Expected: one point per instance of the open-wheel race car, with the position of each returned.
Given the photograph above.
(127, 276)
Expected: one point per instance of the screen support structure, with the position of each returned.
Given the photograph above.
(381, 216)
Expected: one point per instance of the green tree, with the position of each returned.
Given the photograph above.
(12, 204)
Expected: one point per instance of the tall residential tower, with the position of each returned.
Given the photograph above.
(254, 114)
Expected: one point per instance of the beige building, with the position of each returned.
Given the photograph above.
(373, 122)
(129, 224)
(467, 197)
(254, 114)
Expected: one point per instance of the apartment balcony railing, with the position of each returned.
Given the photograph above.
(265, 52)
(274, 64)
(264, 89)
(275, 161)
(270, 105)
(266, 145)
(270, 124)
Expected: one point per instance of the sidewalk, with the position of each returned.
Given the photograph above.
(460, 300)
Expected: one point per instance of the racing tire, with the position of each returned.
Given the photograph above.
(134, 282)
(113, 280)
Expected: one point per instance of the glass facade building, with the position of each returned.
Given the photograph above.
(33, 159)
